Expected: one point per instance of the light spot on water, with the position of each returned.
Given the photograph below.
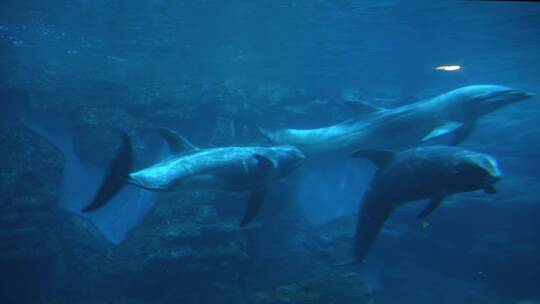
(448, 68)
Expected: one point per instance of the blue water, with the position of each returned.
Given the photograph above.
(76, 74)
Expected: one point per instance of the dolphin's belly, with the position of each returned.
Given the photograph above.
(393, 130)
(221, 168)
(169, 174)
(317, 141)
(200, 182)
(405, 188)
(240, 182)
(397, 133)
(233, 177)
(414, 175)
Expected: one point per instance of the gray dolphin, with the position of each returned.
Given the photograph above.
(403, 127)
(192, 168)
(431, 172)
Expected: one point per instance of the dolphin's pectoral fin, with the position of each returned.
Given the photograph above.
(490, 189)
(443, 130)
(379, 157)
(119, 170)
(432, 205)
(265, 169)
(462, 133)
(265, 166)
(253, 205)
(176, 142)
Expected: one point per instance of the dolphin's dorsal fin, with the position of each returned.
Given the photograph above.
(432, 205)
(176, 142)
(364, 107)
(444, 129)
(379, 157)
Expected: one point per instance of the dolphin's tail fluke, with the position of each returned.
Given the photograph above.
(117, 175)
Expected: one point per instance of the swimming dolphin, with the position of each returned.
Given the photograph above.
(192, 168)
(406, 126)
(431, 172)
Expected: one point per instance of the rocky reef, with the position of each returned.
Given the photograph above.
(331, 287)
(189, 248)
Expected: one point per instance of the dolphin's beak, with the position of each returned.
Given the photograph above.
(495, 178)
(490, 181)
(520, 95)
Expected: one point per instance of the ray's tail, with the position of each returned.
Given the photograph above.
(116, 177)
(115, 209)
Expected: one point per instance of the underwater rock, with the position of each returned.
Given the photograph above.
(38, 239)
(187, 226)
(29, 168)
(332, 287)
(332, 241)
(182, 237)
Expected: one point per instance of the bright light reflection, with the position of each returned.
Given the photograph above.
(448, 68)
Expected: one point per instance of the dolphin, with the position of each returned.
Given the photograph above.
(192, 168)
(430, 172)
(455, 112)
